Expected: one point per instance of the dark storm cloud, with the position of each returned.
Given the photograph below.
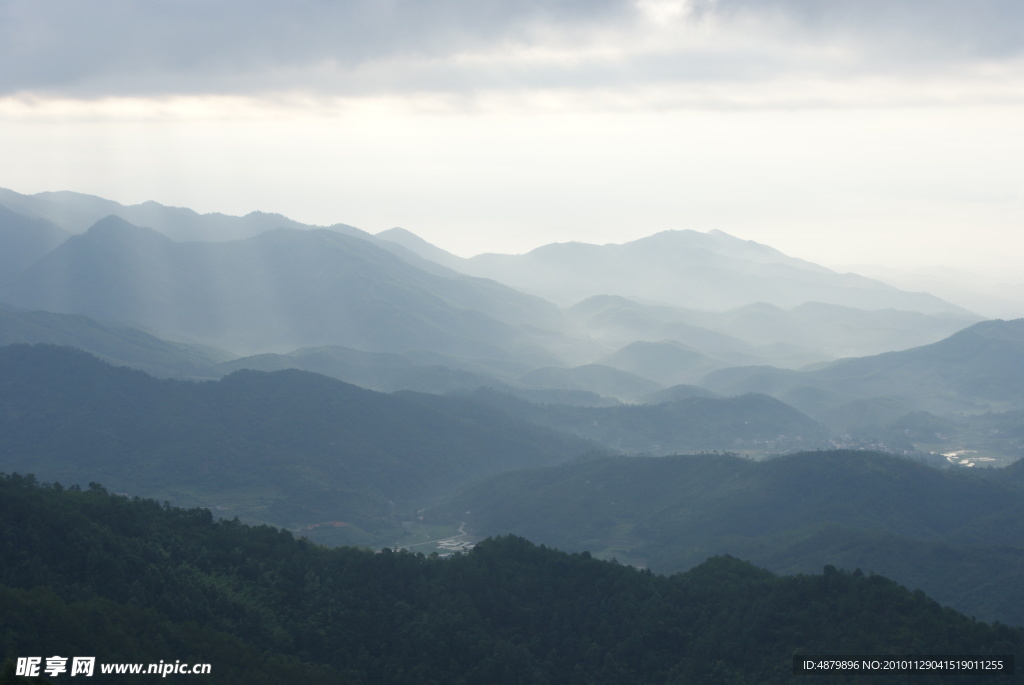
(153, 47)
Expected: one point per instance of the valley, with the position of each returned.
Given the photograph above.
(450, 543)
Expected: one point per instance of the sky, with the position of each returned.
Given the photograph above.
(886, 132)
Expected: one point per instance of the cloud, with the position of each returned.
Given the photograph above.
(109, 47)
(924, 28)
(123, 48)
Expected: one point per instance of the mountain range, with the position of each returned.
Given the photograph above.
(389, 312)
(264, 283)
(687, 269)
(661, 402)
(280, 290)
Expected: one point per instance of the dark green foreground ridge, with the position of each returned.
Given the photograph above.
(85, 572)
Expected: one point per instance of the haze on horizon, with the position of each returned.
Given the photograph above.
(887, 133)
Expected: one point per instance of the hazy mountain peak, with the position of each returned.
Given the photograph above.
(420, 247)
(114, 226)
(272, 217)
(401, 235)
(110, 222)
(720, 243)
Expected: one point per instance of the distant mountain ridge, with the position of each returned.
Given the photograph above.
(980, 367)
(280, 290)
(264, 284)
(75, 212)
(686, 268)
(732, 301)
(682, 268)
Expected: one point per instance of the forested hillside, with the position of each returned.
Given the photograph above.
(87, 572)
(957, 535)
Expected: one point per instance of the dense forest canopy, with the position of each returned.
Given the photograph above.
(89, 572)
